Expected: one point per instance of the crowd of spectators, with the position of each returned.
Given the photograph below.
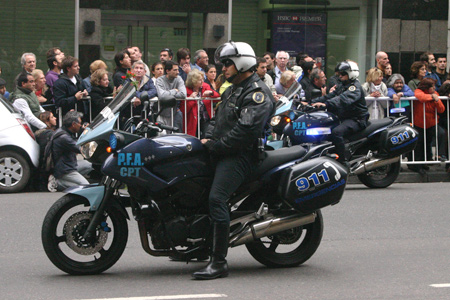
(37, 94)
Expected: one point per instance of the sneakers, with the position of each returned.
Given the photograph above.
(52, 184)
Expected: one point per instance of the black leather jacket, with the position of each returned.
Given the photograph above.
(347, 101)
(240, 117)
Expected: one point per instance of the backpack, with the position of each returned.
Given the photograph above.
(49, 164)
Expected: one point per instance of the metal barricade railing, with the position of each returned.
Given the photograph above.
(155, 101)
(439, 132)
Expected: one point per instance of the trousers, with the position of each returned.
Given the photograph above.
(76, 177)
(346, 128)
(230, 173)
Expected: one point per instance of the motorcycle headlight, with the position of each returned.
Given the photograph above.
(116, 140)
(275, 121)
(318, 131)
(88, 149)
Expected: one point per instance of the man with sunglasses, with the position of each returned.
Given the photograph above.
(348, 103)
(232, 140)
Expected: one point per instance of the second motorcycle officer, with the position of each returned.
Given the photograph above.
(348, 103)
(232, 140)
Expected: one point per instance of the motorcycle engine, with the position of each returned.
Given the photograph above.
(180, 232)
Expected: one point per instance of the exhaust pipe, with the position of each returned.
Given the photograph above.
(374, 164)
(270, 227)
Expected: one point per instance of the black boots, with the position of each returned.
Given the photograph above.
(217, 266)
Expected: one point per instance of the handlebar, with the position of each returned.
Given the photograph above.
(309, 108)
(145, 126)
(166, 127)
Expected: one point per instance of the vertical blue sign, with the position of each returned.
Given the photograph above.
(299, 32)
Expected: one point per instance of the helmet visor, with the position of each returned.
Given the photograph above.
(344, 67)
(217, 57)
(225, 51)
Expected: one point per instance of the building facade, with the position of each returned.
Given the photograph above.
(332, 30)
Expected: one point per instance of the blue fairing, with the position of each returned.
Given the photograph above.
(158, 162)
(93, 192)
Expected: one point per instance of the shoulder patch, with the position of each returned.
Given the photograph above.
(352, 88)
(258, 97)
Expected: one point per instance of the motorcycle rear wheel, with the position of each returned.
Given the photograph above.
(297, 245)
(62, 231)
(381, 177)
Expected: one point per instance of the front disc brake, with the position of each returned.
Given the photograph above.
(74, 229)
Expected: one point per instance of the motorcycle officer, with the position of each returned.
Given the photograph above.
(232, 140)
(348, 103)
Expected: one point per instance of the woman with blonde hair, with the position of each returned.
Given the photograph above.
(95, 65)
(100, 92)
(41, 89)
(375, 87)
(197, 88)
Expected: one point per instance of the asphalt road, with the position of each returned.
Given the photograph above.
(378, 244)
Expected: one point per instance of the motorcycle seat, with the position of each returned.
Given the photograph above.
(372, 126)
(278, 157)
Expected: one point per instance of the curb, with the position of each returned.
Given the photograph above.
(436, 173)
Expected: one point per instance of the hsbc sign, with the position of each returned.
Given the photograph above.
(296, 18)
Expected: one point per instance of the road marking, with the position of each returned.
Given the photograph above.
(440, 285)
(193, 296)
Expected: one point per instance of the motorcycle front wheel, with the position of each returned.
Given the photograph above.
(62, 237)
(381, 177)
(288, 248)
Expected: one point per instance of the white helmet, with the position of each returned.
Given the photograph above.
(241, 54)
(350, 68)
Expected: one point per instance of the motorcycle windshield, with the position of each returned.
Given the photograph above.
(119, 103)
(293, 90)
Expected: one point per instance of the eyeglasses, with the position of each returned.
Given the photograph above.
(227, 63)
(342, 73)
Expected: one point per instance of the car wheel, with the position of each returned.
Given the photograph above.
(14, 172)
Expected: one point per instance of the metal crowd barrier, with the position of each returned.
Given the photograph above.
(388, 101)
(438, 129)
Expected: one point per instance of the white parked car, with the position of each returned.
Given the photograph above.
(19, 152)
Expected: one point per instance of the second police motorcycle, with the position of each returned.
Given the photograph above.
(275, 213)
(374, 153)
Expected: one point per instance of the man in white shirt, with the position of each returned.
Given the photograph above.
(282, 60)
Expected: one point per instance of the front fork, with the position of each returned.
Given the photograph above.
(110, 186)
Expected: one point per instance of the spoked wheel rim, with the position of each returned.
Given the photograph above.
(11, 171)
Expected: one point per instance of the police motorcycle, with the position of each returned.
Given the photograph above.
(275, 214)
(374, 153)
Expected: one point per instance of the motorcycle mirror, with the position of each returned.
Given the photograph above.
(144, 109)
(316, 93)
(144, 97)
(167, 101)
